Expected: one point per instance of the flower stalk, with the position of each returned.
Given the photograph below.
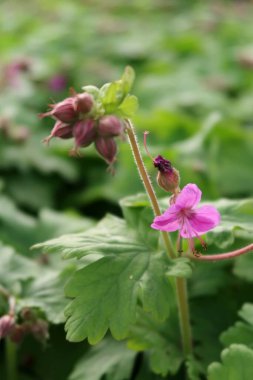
(180, 283)
(222, 256)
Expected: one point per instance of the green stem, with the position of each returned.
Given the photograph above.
(180, 283)
(184, 315)
(11, 360)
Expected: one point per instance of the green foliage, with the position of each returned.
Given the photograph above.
(241, 332)
(243, 267)
(236, 222)
(115, 96)
(160, 340)
(237, 363)
(109, 357)
(123, 269)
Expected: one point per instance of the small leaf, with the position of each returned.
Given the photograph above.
(128, 107)
(241, 332)
(181, 267)
(111, 95)
(109, 357)
(128, 79)
(237, 363)
(92, 90)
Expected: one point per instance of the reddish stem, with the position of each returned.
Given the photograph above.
(223, 256)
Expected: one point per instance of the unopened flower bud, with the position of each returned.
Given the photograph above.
(107, 148)
(109, 126)
(84, 103)
(60, 130)
(168, 177)
(84, 132)
(7, 323)
(64, 111)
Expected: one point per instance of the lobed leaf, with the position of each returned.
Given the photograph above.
(126, 270)
(237, 363)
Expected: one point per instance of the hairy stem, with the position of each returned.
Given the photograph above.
(147, 184)
(180, 283)
(222, 256)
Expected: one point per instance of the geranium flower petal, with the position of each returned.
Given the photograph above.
(189, 197)
(203, 219)
(168, 221)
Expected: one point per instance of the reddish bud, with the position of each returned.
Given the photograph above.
(109, 126)
(64, 111)
(60, 130)
(107, 148)
(7, 323)
(168, 177)
(83, 103)
(84, 132)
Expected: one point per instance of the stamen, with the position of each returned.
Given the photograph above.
(188, 228)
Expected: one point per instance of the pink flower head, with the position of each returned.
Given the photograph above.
(183, 216)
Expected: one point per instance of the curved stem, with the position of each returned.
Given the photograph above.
(222, 256)
(181, 289)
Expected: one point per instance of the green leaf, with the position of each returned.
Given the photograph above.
(207, 282)
(109, 357)
(128, 107)
(161, 341)
(116, 93)
(111, 95)
(246, 313)
(241, 332)
(107, 290)
(92, 90)
(180, 267)
(236, 222)
(194, 368)
(128, 79)
(15, 268)
(243, 267)
(47, 293)
(138, 215)
(237, 363)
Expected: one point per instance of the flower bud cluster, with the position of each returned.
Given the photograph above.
(75, 117)
(28, 323)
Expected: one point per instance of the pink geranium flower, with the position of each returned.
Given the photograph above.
(183, 216)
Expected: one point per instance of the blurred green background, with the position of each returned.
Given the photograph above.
(194, 80)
